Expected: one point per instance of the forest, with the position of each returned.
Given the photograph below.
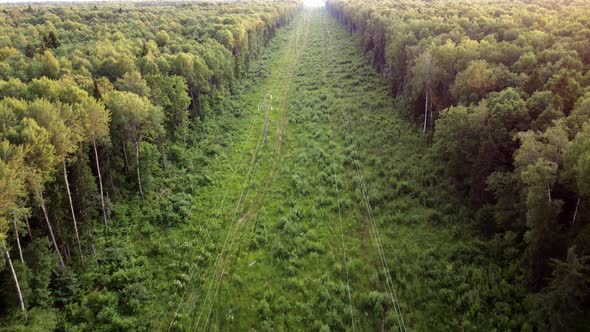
(96, 102)
(258, 165)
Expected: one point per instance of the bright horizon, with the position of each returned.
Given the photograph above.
(314, 3)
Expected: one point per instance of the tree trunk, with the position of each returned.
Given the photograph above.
(55, 246)
(72, 210)
(576, 211)
(29, 227)
(93, 250)
(194, 100)
(431, 117)
(67, 253)
(91, 247)
(126, 159)
(164, 161)
(20, 295)
(200, 107)
(20, 249)
(137, 167)
(111, 181)
(425, 112)
(104, 210)
(549, 193)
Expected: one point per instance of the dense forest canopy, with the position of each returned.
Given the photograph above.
(502, 90)
(94, 102)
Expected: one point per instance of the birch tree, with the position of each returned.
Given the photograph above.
(95, 120)
(40, 164)
(577, 166)
(137, 118)
(64, 138)
(196, 73)
(426, 75)
(12, 194)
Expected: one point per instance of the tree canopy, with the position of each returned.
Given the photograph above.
(87, 93)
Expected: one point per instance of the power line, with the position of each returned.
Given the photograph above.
(284, 91)
(218, 212)
(253, 164)
(375, 232)
(337, 191)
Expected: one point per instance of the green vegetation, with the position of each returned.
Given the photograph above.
(137, 191)
(501, 89)
(103, 142)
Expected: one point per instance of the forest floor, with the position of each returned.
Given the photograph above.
(340, 223)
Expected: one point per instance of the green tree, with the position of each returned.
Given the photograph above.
(577, 166)
(426, 76)
(171, 93)
(567, 87)
(538, 160)
(49, 65)
(50, 40)
(40, 163)
(568, 287)
(62, 123)
(137, 118)
(162, 38)
(456, 139)
(474, 83)
(133, 82)
(12, 197)
(196, 73)
(96, 120)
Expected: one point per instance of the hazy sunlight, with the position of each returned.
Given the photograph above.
(314, 3)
